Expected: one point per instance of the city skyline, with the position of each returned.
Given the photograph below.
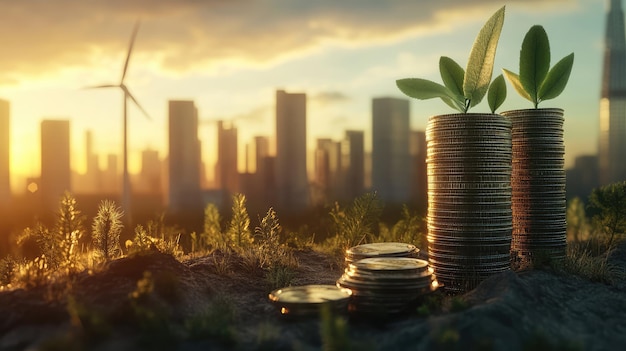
(341, 55)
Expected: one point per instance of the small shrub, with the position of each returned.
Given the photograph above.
(66, 235)
(239, 235)
(279, 276)
(334, 330)
(106, 229)
(216, 321)
(8, 267)
(582, 262)
(212, 236)
(607, 206)
(33, 273)
(355, 224)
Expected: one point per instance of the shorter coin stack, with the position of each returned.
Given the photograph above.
(386, 285)
(390, 249)
(306, 300)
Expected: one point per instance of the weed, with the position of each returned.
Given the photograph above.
(333, 330)
(8, 267)
(279, 276)
(355, 224)
(581, 261)
(106, 229)
(33, 273)
(66, 234)
(268, 334)
(239, 234)
(407, 230)
(212, 236)
(217, 321)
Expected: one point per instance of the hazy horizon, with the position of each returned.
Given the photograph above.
(231, 57)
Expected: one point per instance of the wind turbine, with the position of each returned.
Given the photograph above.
(127, 95)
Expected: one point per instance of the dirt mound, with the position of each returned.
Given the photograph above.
(155, 297)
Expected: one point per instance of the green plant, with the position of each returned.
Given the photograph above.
(536, 82)
(356, 223)
(212, 235)
(106, 229)
(33, 273)
(8, 267)
(67, 233)
(217, 321)
(334, 330)
(607, 206)
(577, 222)
(239, 228)
(142, 241)
(267, 235)
(406, 230)
(463, 89)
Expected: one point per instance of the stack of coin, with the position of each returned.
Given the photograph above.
(306, 300)
(386, 285)
(469, 198)
(538, 181)
(388, 249)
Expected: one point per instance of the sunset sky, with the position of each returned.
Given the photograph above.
(230, 56)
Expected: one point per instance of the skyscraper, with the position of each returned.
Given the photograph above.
(291, 175)
(150, 172)
(55, 161)
(391, 162)
(419, 179)
(5, 186)
(328, 172)
(612, 147)
(226, 172)
(92, 174)
(184, 157)
(353, 164)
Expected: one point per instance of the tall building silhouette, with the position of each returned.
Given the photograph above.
(55, 161)
(612, 141)
(184, 157)
(92, 174)
(328, 172)
(419, 178)
(226, 172)
(150, 173)
(353, 164)
(5, 171)
(391, 162)
(291, 174)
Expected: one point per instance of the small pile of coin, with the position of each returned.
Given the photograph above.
(307, 300)
(538, 181)
(386, 285)
(385, 249)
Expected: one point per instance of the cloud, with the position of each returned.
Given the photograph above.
(43, 38)
(329, 97)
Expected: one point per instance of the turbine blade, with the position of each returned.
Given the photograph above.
(101, 86)
(130, 50)
(128, 94)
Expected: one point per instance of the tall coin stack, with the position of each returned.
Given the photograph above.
(538, 181)
(469, 198)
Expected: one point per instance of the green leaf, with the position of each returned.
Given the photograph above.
(424, 89)
(452, 75)
(497, 93)
(534, 61)
(557, 79)
(513, 78)
(480, 63)
(456, 104)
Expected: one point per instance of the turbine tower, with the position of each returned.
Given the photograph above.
(127, 95)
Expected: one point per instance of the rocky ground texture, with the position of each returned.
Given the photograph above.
(219, 302)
